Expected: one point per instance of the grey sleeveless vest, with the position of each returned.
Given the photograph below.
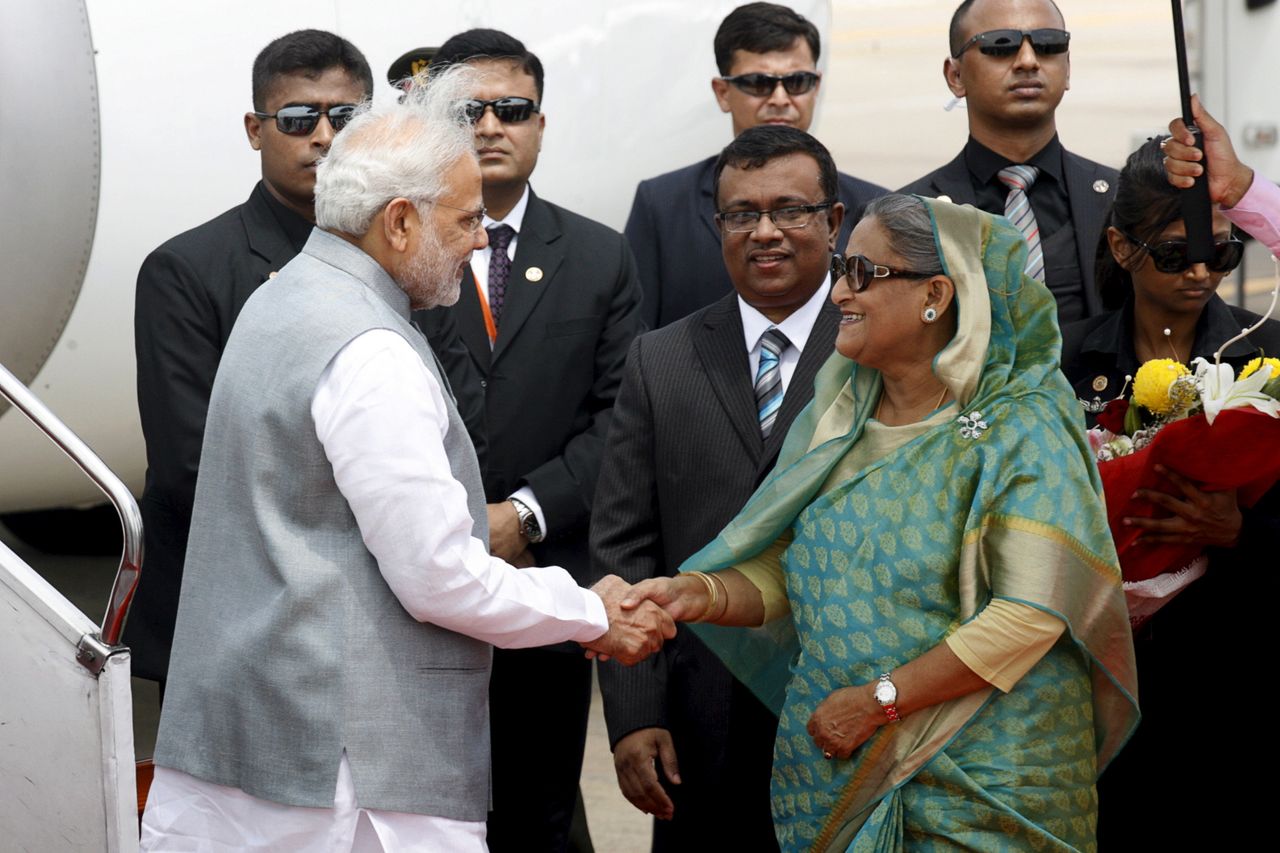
(290, 647)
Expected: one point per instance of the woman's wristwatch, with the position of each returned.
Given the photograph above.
(886, 693)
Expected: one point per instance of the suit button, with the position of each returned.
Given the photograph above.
(484, 383)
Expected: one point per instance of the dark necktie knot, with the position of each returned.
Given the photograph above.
(500, 236)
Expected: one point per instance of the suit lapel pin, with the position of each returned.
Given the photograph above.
(1101, 186)
(945, 198)
(533, 274)
(272, 274)
(1100, 383)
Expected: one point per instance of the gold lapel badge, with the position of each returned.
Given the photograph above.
(533, 274)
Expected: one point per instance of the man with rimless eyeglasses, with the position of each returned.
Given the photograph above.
(767, 56)
(547, 311)
(191, 289)
(1009, 60)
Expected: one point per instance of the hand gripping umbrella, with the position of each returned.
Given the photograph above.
(1197, 211)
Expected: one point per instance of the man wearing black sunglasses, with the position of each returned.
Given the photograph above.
(1009, 61)
(191, 289)
(546, 312)
(767, 56)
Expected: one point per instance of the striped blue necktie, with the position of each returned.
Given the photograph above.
(1017, 209)
(769, 379)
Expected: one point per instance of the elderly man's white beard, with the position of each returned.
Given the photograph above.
(431, 277)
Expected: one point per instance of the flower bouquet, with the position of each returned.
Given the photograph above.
(1208, 425)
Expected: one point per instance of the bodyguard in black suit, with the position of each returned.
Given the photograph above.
(768, 55)
(1010, 63)
(547, 313)
(686, 449)
(191, 289)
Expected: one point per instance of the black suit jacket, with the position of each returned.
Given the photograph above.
(190, 291)
(1091, 187)
(683, 457)
(677, 245)
(550, 380)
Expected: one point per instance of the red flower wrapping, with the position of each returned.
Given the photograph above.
(1241, 450)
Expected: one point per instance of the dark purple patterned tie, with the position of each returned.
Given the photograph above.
(500, 237)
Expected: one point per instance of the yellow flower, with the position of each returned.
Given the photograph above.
(1151, 385)
(1253, 366)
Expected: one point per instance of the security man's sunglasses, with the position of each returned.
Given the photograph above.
(301, 119)
(505, 110)
(762, 85)
(1044, 42)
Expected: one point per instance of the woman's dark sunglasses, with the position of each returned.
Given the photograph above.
(762, 85)
(862, 271)
(1170, 256)
(1008, 42)
(505, 110)
(301, 119)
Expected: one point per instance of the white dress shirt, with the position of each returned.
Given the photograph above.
(796, 327)
(480, 269)
(381, 416)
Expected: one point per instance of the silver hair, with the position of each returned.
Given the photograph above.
(910, 229)
(395, 150)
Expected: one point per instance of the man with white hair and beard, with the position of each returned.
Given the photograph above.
(328, 687)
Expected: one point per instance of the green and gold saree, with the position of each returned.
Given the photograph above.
(895, 545)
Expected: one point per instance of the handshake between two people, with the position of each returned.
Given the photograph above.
(643, 616)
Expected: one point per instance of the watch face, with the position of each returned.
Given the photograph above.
(886, 693)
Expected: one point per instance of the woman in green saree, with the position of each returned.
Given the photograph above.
(941, 627)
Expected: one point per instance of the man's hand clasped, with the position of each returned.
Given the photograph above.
(634, 632)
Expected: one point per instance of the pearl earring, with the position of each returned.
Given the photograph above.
(930, 315)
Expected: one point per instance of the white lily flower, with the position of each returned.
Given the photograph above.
(1219, 389)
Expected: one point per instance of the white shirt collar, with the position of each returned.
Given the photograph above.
(515, 218)
(796, 326)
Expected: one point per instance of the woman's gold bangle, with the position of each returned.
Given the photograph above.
(711, 592)
(716, 580)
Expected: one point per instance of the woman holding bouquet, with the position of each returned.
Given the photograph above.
(1195, 655)
(942, 630)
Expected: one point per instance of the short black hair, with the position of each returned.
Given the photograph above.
(762, 28)
(1145, 204)
(956, 31)
(757, 146)
(490, 44)
(310, 52)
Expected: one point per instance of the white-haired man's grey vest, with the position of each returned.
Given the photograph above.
(290, 647)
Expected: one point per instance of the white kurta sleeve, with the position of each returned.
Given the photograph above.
(381, 417)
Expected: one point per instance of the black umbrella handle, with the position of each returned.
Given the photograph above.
(1197, 210)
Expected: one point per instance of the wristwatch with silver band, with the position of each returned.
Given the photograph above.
(528, 521)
